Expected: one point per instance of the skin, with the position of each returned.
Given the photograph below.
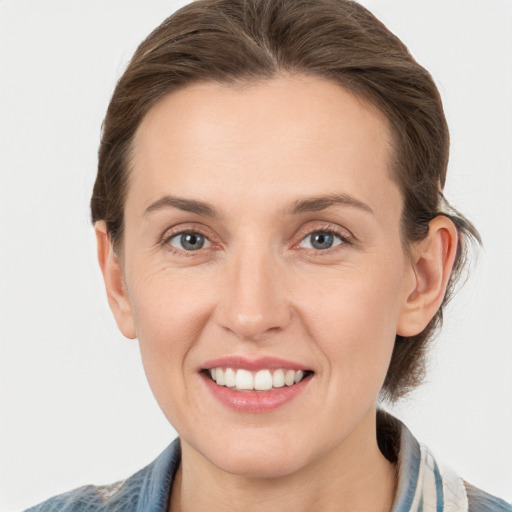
(259, 288)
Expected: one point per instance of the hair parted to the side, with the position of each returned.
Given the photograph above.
(244, 41)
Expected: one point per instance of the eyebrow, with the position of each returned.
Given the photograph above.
(315, 204)
(312, 204)
(186, 205)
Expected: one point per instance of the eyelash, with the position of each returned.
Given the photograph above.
(166, 239)
(345, 238)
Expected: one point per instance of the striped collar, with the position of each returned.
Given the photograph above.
(422, 485)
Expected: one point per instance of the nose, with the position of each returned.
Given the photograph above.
(253, 300)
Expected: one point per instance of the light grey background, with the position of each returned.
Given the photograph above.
(74, 404)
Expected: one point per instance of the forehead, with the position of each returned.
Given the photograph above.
(307, 132)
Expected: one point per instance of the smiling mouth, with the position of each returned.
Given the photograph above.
(261, 380)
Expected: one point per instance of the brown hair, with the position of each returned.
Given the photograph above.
(240, 41)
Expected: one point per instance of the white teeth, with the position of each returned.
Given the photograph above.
(289, 377)
(278, 379)
(262, 380)
(244, 379)
(219, 377)
(229, 378)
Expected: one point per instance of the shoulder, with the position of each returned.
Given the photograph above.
(423, 484)
(149, 486)
(480, 501)
(85, 498)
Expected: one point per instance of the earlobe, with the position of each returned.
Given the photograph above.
(113, 277)
(432, 263)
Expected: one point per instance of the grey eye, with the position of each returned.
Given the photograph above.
(189, 241)
(321, 240)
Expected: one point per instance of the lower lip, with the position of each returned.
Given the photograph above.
(255, 401)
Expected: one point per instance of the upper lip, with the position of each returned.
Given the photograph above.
(260, 363)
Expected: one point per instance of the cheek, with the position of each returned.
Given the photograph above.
(169, 306)
(170, 312)
(354, 323)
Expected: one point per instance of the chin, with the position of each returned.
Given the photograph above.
(258, 465)
(259, 456)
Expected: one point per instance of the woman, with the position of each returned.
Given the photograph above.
(272, 318)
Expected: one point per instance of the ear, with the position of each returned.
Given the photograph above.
(113, 276)
(432, 263)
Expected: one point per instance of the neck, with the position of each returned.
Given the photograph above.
(353, 476)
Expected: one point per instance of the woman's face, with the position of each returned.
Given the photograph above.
(262, 238)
